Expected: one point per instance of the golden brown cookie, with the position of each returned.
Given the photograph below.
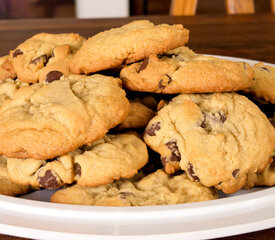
(46, 120)
(129, 43)
(182, 71)
(218, 139)
(155, 189)
(45, 56)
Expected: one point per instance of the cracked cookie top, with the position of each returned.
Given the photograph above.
(157, 188)
(129, 43)
(182, 71)
(218, 139)
(45, 56)
(46, 120)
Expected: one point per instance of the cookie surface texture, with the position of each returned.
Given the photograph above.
(6, 69)
(138, 117)
(43, 120)
(110, 158)
(182, 71)
(129, 43)
(218, 139)
(7, 187)
(155, 189)
(45, 57)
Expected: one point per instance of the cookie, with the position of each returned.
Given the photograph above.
(45, 57)
(138, 117)
(155, 189)
(263, 86)
(218, 139)
(129, 43)
(182, 71)
(46, 120)
(108, 159)
(8, 87)
(6, 69)
(264, 178)
(7, 187)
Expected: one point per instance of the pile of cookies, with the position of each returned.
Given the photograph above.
(132, 117)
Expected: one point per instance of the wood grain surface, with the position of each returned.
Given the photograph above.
(246, 36)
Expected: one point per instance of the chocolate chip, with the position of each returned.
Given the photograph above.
(49, 181)
(124, 194)
(190, 170)
(78, 169)
(163, 83)
(150, 130)
(53, 75)
(175, 156)
(144, 64)
(17, 52)
(217, 118)
(235, 172)
(43, 58)
(264, 69)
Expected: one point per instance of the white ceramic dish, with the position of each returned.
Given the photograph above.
(34, 217)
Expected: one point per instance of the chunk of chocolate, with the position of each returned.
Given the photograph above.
(150, 130)
(144, 64)
(163, 83)
(17, 52)
(264, 69)
(49, 181)
(124, 194)
(191, 173)
(175, 153)
(235, 172)
(53, 75)
(43, 58)
(77, 169)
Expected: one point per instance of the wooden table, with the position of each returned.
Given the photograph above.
(248, 36)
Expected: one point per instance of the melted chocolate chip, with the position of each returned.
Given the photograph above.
(17, 52)
(124, 194)
(78, 169)
(175, 156)
(53, 75)
(144, 64)
(49, 181)
(43, 58)
(190, 170)
(235, 172)
(162, 84)
(150, 130)
(209, 117)
(264, 69)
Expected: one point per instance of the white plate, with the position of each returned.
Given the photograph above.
(35, 217)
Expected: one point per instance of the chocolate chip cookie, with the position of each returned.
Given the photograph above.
(108, 159)
(129, 43)
(263, 86)
(46, 120)
(218, 139)
(155, 189)
(182, 71)
(45, 57)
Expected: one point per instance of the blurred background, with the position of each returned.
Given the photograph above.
(16, 9)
